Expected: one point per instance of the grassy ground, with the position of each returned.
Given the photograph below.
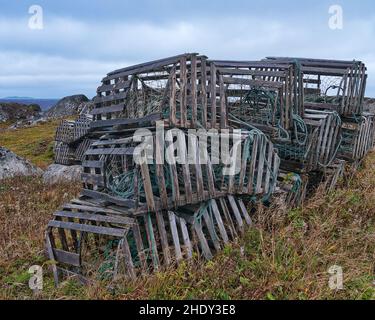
(33, 143)
(285, 256)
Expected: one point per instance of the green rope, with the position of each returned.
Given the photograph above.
(105, 270)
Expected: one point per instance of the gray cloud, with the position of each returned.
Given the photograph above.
(71, 56)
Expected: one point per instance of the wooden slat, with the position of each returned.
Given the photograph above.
(236, 213)
(106, 197)
(183, 93)
(244, 212)
(103, 110)
(202, 240)
(128, 258)
(94, 217)
(51, 256)
(185, 235)
(88, 228)
(151, 241)
(213, 96)
(211, 230)
(163, 237)
(175, 237)
(194, 90)
(204, 91)
(216, 212)
(147, 186)
(67, 257)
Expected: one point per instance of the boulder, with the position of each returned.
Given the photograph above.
(369, 105)
(68, 106)
(57, 173)
(12, 165)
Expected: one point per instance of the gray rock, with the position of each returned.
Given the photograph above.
(12, 165)
(11, 111)
(369, 105)
(57, 173)
(68, 106)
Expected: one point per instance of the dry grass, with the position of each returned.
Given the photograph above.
(26, 205)
(33, 143)
(286, 255)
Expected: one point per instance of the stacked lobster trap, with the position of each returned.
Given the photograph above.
(143, 209)
(141, 214)
(72, 140)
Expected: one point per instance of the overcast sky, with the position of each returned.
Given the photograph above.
(83, 40)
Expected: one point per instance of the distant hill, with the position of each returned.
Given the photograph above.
(15, 111)
(44, 104)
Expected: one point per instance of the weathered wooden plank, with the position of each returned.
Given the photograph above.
(193, 91)
(185, 166)
(128, 258)
(228, 218)
(183, 91)
(163, 237)
(255, 83)
(175, 237)
(172, 169)
(213, 95)
(204, 91)
(244, 212)
(143, 67)
(254, 154)
(67, 257)
(139, 245)
(94, 217)
(151, 241)
(236, 213)
(106, 197)
(211, 230)
(172, 99)
(223, 105)
(159, 154)
(185, 235)
(260, 166)
(136, 122)
(116, 232)
(219, 220)
(202, 240)
(147, 185)
(51, 256)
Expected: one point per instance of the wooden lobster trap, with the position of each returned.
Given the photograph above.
(64, 154)
(176, 89)
(198, 174)
(317, 144)
(291, 188)
(86, 238)
(254, 169)
(358, 137)
(261, 93)
(151, 198)
(331, 84)
(82, 127)
(65, 131)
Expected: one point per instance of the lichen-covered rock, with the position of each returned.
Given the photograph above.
(68, 106)
(57, 173)
(12, 165)
(11, 111)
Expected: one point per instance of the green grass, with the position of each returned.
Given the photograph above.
(33, 143)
